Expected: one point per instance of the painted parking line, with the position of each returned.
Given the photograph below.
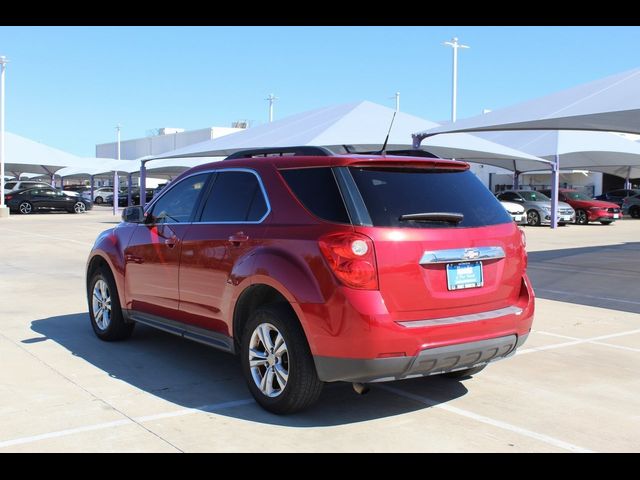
(126, 421)
(595, 342)
(575, 342)
(594, 297)
(487, 420)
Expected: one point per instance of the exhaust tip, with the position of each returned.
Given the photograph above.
(360, 388)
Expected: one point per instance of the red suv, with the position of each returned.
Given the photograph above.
(316, 267)
(587, 209)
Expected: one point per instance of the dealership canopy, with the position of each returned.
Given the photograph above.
(596, 151)
(27, 156)
(611, 104)
(356, 127)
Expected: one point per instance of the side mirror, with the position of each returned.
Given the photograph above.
(134, 214)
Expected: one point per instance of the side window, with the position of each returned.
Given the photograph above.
(177, 205)
(508, 196)
(235, 197)
(9, 185)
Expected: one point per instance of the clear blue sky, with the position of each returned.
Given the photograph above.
(69, 86)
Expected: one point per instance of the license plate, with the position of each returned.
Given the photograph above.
(464, 275)
(566, 218)
(615, 215)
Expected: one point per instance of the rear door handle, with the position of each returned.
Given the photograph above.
(238, 238)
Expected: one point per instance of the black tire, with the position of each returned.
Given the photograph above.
(533, 218)
(465, 373)
(606, 222)
(25, 208)
(634, 211)
(117, 328)
(582, 218)
(98, 200)
(302, 387)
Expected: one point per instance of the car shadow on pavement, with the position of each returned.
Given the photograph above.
(601, 276)
(192, 375)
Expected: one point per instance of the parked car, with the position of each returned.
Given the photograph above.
(588, 209)
(320, 268)
(15, 185)
(135, 197)
(631, 206)
(45, 198)
(538, 206)
(617, 196)
(517, 212)
(82, 190)
(100, 195)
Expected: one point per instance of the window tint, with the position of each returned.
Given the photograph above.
(316, 188)
(531, 196)
(177, 204)
(10, 185)
(508, 196)
(234, 197)
(391, 192)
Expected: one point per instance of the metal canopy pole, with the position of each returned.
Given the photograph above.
(143, 183)
(129, 185)
(4, 211)
(555, 182)
(91, 179)
(627, 181)
(116, 181)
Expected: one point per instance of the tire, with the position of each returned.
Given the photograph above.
(98, 200)
(79, 207)
(465, 373)
(25, 208)
(606, 222)
(110, 325)
(581, 217)
(533, 218)
(293, 383)
(634, 211)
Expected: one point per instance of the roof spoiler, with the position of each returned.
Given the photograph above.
(305, 150)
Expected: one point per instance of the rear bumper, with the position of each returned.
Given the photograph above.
(431, 361)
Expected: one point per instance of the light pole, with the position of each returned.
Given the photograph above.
(116, 182)
(397, 97)
(455, 45)
(271, 98)
(4, 211)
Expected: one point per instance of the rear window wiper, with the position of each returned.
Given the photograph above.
(447, 217)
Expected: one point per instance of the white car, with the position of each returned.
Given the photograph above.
(516, 211)
(101, 194)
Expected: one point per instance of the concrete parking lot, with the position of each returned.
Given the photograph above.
(573, 387)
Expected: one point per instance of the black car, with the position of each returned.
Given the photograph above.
(617, 196)
(45, 198)
(135, 197)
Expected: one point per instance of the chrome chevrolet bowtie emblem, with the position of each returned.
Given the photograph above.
(471, 253)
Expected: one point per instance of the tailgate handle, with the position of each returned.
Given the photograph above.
(455, 255)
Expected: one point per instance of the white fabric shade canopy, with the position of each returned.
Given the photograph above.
(361, 127)
(172, 167)
(26, 156)
(596, 151)
(99, 167)
(611, 104)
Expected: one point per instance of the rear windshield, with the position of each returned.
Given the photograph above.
(391, 192)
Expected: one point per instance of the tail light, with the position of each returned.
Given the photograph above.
(523, 244)
(8, 197)
(351, 258)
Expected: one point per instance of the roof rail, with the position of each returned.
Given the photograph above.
(305, 150)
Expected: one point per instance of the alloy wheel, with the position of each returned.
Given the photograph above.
(80, 207)
(269, 360)
(101, 304)
(25, 208)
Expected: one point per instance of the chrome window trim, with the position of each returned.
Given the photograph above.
(151, 204)
(455, 255)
